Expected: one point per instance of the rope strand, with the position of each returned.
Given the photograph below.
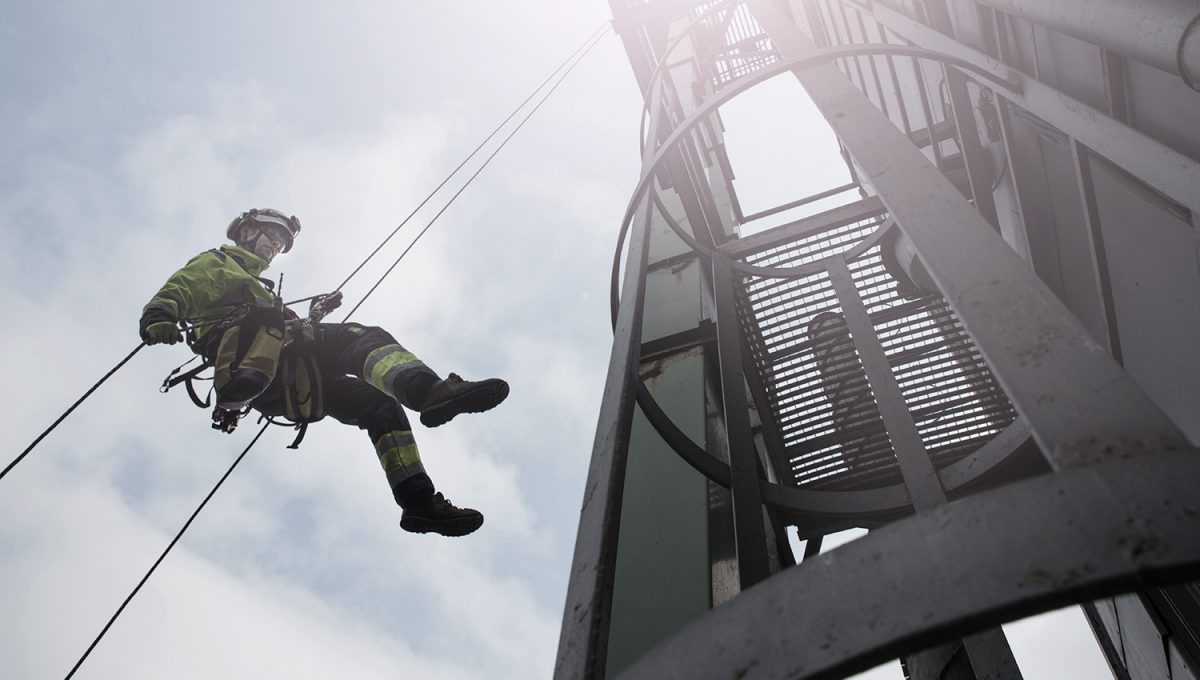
(594, 40)
(470, 156)
(66, 413)
(163, 556)
(569, 65)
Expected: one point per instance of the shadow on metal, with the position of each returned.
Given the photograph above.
(1117, 529)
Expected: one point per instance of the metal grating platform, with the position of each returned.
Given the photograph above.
(827, 416)
(745, 47)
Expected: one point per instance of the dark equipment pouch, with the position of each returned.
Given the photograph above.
(248, 357)
(303, 400)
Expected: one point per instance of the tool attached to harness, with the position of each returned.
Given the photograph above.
(305, 329)
(299, 372)
(225, 420)
(250, 357)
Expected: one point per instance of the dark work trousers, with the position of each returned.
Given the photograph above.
(371, 400)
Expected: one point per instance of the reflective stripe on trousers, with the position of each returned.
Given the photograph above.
(399, 456)
(389, 367)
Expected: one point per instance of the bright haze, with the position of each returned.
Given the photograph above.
(131, 134)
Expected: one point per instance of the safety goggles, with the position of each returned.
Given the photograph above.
(280, 229)
(277, 234)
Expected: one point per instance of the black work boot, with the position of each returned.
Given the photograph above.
(452, 396)
(437, 515)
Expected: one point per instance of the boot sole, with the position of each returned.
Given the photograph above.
(451, 527)
(486, 396)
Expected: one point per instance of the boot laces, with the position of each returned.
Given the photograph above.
(439, 502)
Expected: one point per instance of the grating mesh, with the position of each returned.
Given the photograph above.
(740, 46)
(947, 386)
(827, 416)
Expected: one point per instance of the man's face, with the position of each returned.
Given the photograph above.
(266, 241)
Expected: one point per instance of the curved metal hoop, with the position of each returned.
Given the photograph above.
(1117, 529)
(1191, 79)
(736, 88)
(884, 499)
(862, 503)
(662, 61)
(744, 83)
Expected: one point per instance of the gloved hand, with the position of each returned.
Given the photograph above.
(329, 302)
(324, 304)
(157, 326)
(162, 332)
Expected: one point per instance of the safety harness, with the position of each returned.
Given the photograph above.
(253, 339)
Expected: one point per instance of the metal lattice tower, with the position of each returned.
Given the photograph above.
(987, 354)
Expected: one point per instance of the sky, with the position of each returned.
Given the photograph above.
(132, 132)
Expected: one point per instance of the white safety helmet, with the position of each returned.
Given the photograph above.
(266, 218)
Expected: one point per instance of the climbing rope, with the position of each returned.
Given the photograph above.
(560, 72)
(163, 556)
(66, 413)
(582, 51)
(595, 36)
(569, 64)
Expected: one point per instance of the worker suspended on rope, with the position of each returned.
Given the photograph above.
(267, 359)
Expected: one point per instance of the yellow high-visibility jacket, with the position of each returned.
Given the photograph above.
(216, 284)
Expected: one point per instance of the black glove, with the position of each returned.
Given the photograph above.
(158, 327)
(325, 303)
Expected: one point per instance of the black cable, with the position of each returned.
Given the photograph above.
(585, 47)
(471, 155)
(164, 553)
(594, 39)
(306, 299)
(72, 408)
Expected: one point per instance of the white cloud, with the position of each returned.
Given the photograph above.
(298, 566)
(131, 156)
(195, 619)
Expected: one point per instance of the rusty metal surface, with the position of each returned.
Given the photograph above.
(583, 643)
(1118, 526)
(1114, 517)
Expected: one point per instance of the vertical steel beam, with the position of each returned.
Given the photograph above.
(776, 448)
(750, 536)
(976, 160)
(991, 652)
(1018, 237)
(891, 62)
(924, 489)
(1162, 167)
(1081, 407)
(862, 28)
(923, 95)
(1116, 88)
(1106, 642)
(1099, 255)
(849, 40)
(583, 641)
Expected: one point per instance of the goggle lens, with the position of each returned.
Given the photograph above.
(276, 234)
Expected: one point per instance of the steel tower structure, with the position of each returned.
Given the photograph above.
(986, 354)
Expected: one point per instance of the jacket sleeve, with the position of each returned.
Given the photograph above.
(188, 291)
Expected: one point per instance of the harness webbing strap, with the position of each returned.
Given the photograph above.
(302, 429)
(187, 378)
